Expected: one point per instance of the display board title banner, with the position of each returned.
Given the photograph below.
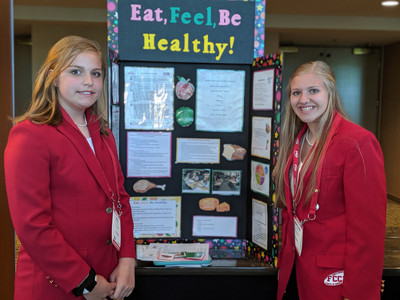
(206, 31)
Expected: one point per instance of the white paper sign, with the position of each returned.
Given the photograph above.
(259, 232)
(115, 82)
(149, 98)
(214, 226)
(149, 154)
(261, 137)
(220, 100)
(115, 124)
(197, 151)
(263, 89)
(156, 216)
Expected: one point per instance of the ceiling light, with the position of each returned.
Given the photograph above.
(389, 3)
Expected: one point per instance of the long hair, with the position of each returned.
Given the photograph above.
(292, 126)
(44, 107)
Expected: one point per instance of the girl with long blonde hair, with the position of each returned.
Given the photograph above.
(65, 187)
(330, 185)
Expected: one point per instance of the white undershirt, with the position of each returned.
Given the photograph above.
(89, 139)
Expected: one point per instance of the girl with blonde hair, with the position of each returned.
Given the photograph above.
(330, 184)
(65, 186)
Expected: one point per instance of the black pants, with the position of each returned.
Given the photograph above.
(292, 293)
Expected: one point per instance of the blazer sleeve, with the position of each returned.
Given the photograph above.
(27, 164)
(127, 240)
(365, 201)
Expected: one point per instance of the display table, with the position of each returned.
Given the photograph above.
(243, 278)
(231, 279)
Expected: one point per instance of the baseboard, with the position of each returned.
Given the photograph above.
(394, 198)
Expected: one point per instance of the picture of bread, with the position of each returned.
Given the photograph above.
(208, 204)
(223, 207)
(233, 152)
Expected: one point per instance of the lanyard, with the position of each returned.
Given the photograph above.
(119, 206)
(296, 157)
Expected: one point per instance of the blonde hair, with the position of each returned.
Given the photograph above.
(44, 107)
(292, 126)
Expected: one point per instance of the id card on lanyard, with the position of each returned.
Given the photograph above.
(298, 224)
(298, 235)
(116, 217)
(116, 230)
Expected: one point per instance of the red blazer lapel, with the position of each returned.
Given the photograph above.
(70, 131)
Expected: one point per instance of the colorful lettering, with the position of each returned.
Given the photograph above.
(150, 42)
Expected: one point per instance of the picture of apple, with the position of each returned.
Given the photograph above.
(184, 89)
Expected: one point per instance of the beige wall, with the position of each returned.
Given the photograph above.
(44, 35)
(390, 118)
(23, 77)
(271, 42)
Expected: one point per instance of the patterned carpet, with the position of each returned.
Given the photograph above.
(392, 240)
(393, 214)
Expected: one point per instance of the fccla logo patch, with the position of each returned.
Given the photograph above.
(334, 279)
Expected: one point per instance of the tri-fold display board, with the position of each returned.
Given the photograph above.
(197, 120)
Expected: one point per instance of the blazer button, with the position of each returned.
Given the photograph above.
(108, 242)
(109, 210)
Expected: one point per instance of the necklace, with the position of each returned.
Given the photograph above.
(81, 125)
(308, 141)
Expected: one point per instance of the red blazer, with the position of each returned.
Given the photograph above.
(58, 198)
(349, 230)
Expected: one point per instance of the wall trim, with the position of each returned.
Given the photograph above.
(394, 198)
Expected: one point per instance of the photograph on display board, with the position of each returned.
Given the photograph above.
(156, 217)
(260, 178)
(226, 182)
(263, 89)
(196, 181)
(220, 100)
(149, 98)
(261, 137)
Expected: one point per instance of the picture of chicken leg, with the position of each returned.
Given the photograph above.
(142, 186)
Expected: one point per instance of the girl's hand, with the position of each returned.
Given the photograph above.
(124, 277)
(102, 289)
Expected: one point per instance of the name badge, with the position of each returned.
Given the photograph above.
(298, 235)
(116, 230)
